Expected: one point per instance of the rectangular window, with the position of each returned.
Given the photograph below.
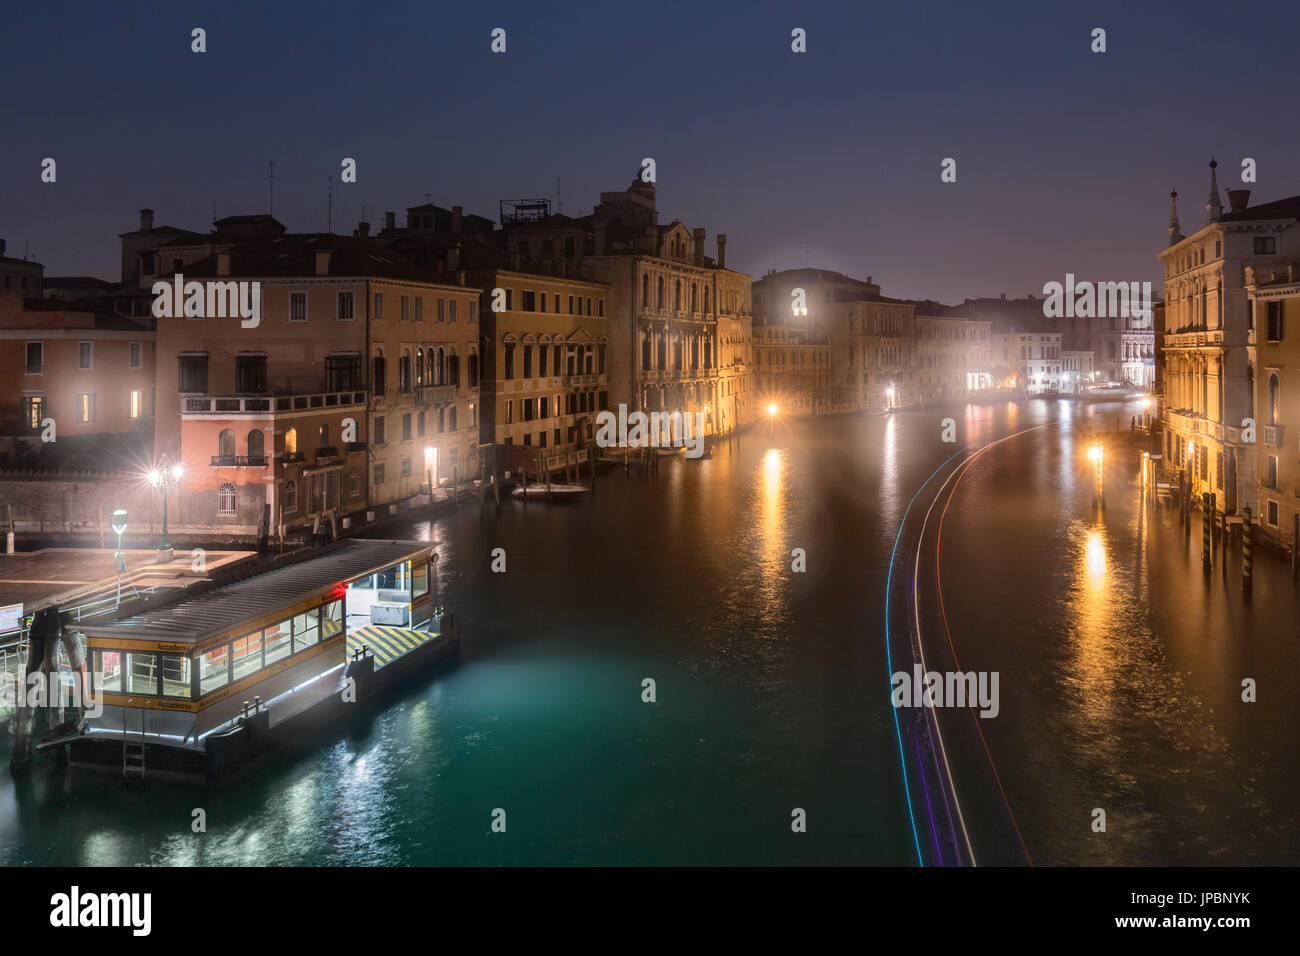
(192, 373)
(404, 308)
(134, 355)
(510, 300)
(1272, 513)
(530, 301)
(141, 673)
(85, 354)
(175, 675)
(451, 310)
(306, 629)
(420, 579)
(379, 474)
(347, 307)
(510, 412)
(33, 411)
(406, 426)
(1271, 480)
(214, 669)
(277, 641)
(541, 302)
(381, 430)
(297, 306)
(473, 312)
(510, 360)
(406, 468)
(441, 310)
(342, 373)
(379, 305)
(246, 655)
(543, 407)
(1265, 245)
(136, 405)
(528, 361)
(35, 358)
(108, 671)
(250, 373)
(86, 408)
(419, 308)
(570, 305)
(528, 409)
(1274, 312)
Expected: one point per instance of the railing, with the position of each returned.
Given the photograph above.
(239, 461)
(1273, 435)
(357, 446)
(326, 452)
(435, 394)
(576, 380)
(261, 404)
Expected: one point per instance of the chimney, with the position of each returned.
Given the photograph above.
(457, 213)
(390, 221)
(363, 229)
(460, 277)
(323, 261)
(722, 250)
(146, 220)
(1237, 199)
(453, 258)
(223, 263)
(699, 246)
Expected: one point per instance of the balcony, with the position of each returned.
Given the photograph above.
(290, 457)
(326, 454)
(435, 394)
(239, 461)
(571, 381)
(260, 405)
(1273, 436)
(356, 446)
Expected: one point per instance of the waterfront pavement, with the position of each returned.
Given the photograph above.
(69, 576)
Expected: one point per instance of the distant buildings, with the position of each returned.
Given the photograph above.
(883, 352)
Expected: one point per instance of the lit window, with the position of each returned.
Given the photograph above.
(137, 405)
(86, 408)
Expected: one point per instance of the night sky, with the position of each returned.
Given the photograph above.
(1065, 157)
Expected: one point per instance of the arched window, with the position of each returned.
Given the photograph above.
(1273, 386)
(660, 291)
(380, 383)
(419, 368)
(291, 495)
(226, 443)
(291, 442)
(324, 435)
(404, 372)
(226, 499)
(694, 289)
(706, 298)
(256, 444)
(440, 367)
(473, 371)
(677, 296)
(645, 290)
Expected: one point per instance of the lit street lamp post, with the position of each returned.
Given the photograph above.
(161, 478)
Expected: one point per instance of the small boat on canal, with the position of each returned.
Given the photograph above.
(204, 687)
(544, 491)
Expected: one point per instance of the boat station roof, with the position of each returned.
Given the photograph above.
(225, 607)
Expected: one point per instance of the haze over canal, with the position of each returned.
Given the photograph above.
(1120, 678)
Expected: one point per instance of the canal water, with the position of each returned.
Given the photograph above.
(770, 686)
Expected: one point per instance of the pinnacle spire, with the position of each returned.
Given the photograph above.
(1213, 208)
(1175, 230)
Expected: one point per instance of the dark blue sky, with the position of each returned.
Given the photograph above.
(1065, 157)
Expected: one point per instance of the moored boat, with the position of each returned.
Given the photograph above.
(552, 490)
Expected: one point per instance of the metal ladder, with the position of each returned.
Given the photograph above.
(132, 752)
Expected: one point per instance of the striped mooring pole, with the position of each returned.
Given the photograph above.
(1207, 526)
(1246, 570)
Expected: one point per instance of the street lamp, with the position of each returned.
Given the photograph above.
(119, 526)
(772, 410)
(430, 467)
(1096, 454)
(161, 478)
